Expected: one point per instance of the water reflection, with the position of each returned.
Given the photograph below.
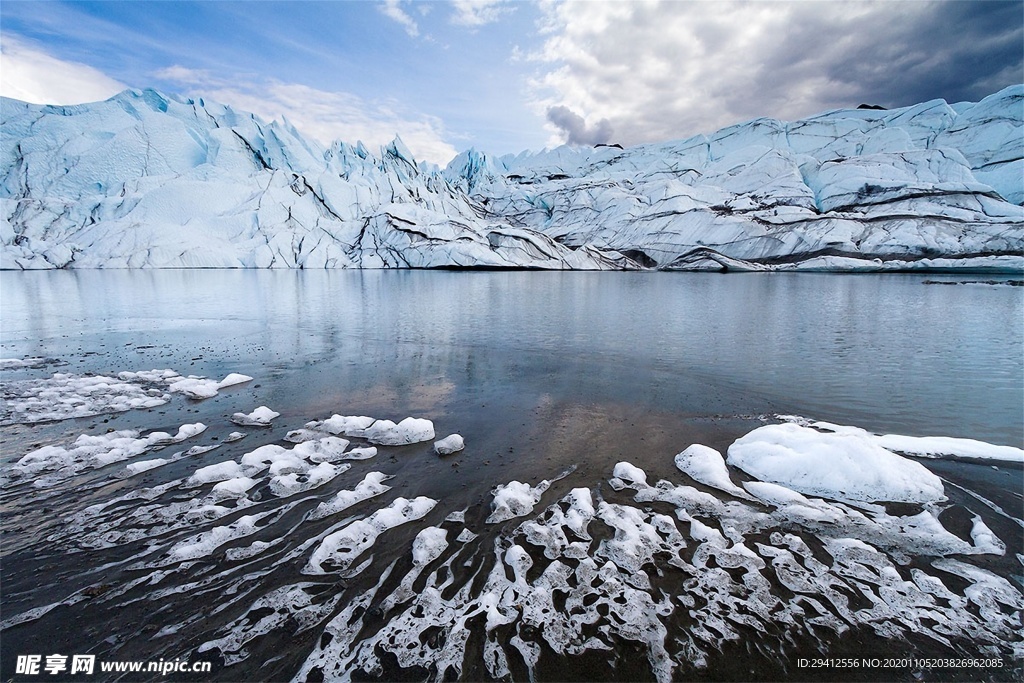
(883, 351)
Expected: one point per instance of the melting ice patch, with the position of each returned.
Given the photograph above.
(66, 396)
(17, 363)
(515, 499)
(260, 417)
(193, 386)
(88, 452)
(339, 550)
(921, 446)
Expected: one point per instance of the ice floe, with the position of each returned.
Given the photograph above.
(408, 431)
(920, 446)
(839, 465)
(13, 363)
(452, 443)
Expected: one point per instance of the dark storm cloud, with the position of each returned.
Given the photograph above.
(668, 70)
(955, 51)
(576, 129)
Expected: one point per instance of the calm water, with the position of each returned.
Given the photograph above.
(884, 352)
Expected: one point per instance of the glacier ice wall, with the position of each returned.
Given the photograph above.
(146, 180)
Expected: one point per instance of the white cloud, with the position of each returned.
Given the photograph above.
(393, 10)
(326, 116)
(659, 70)
(30, 74)
(478, 12)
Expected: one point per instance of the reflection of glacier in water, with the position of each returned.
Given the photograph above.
(304, 548)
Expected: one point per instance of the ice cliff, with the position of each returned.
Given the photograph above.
(146, 180)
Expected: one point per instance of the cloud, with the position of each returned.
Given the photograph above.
(392, 10)
(663, 70)
(576, 129)
(478, 12)
(326, 116)
(30, 74)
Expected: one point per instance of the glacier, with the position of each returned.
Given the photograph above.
(148, 180)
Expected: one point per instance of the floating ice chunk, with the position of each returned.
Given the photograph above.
(287, 463)
(199, 450)
(233, 379)
(707, 466)
(408, 431)
(459, 516)
(364, 453)
(202, 545)
(465, 536)
(984, 540)
(631, 474)
(841, 466)
(234, 436)
(152, 376)
(198, 387)
(261, 458)
(233, 488)
(449, 444)
(260, 417)
(515, 499)
(222, 471)
(339, 550)
(302, 435)
(12, 363)
(144, 466)
(349, 425)
(371, 485)
(305, 479)
(326, 449)
(935, 446)
(194, 387)
(251, 550)
(929, 446)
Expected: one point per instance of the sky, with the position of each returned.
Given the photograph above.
(503, 76)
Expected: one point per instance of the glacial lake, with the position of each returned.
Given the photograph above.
(554, 380)
(883, 352)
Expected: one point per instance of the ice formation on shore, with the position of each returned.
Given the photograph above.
(146, 180)
(769, 546)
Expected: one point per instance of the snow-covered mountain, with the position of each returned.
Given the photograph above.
(149, 180)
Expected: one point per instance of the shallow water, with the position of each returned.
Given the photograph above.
(545, 375)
